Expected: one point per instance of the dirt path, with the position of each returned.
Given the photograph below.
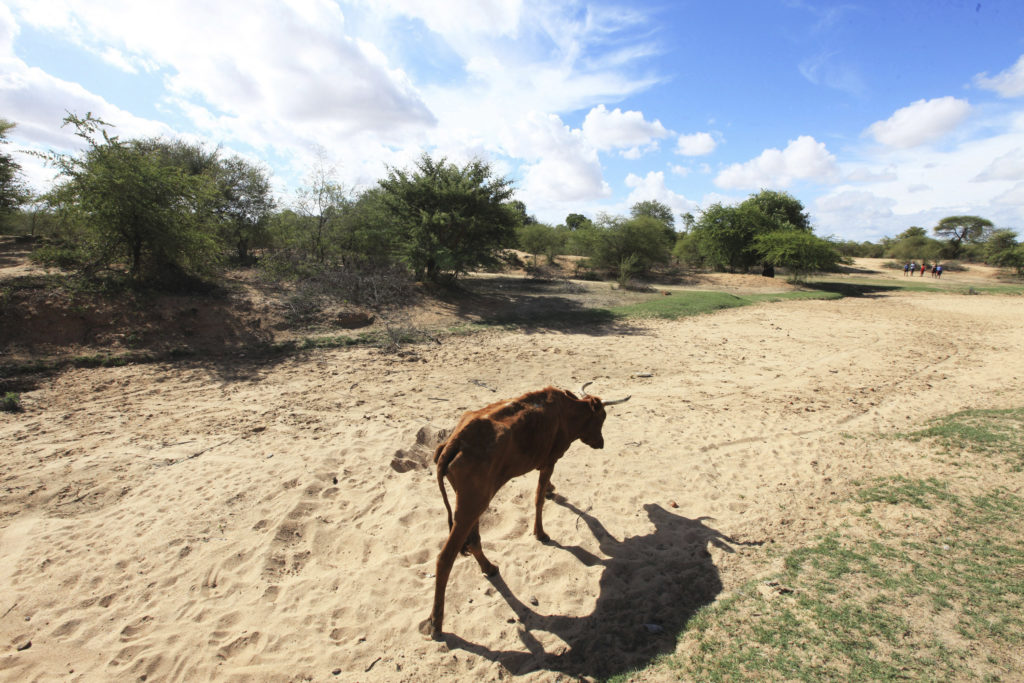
(279, 522)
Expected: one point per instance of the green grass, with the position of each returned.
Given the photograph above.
(680, 304)
(683, 304)
(992, 433)
(10, 402)
(925, 581)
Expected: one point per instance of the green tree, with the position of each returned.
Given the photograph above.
(322, 203)
(688, 221)
(725, 236)
(450, 219)
(656, 210)
(783, 209)
(577, 221)
(797, 251)
(912, 246)
(13, 191)
(537, 239)
(519, 208)
(1015, 259)
(368, 228)
(687, 249)
(135, 206)
(912, 232)
(244, 204)
(641, 242)
(960, 229)
(999, 247)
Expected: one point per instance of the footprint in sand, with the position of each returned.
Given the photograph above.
(291, 545)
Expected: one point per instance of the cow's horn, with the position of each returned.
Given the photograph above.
(583, 389)
(616, 401)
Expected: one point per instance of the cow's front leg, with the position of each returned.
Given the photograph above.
(542, 488)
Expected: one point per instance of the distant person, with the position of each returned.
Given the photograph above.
(913, 268)
(906, 269)
(938, 271)
(935, 269)
(922, 270)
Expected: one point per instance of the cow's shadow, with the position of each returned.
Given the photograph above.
(650, 587)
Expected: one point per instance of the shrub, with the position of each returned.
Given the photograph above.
(11, 403)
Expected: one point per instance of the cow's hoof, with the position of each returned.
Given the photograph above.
(543, 538)
(427, 628)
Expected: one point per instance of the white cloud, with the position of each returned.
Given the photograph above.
(803, 158)
(458, 17)
(920, 122)
(282, 77)
(1008, 83)
(1009, 166)
(267, 62)
(865, 205)
(697, 144)
(652, 186)
(8, 30)
(864, 174)
(561, 165)
(1013, 197)
(617, 129)
(823, 69)
(855, 212)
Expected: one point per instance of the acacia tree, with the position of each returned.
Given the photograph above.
(537, 239)
(450, 219)
(13, 192)
(321, 202)
(135, 206)
(245, 203)
(913, 243)
(781, 208)
(798, 251)
(724, 236)
(640, 242)
(656, 210)
(960, 229)
(577, 221)
(241, 205)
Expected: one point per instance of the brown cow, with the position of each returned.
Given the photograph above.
(494, 444)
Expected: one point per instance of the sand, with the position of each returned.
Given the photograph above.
(279, 521)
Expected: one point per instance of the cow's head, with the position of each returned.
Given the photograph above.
(590, 433)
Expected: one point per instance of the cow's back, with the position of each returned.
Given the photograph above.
(505, 439)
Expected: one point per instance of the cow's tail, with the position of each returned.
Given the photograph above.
(443, 456)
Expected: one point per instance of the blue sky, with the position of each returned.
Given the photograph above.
(877, 115)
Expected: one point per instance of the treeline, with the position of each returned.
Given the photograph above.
(967, 238)
(172, 212)
(769, 230)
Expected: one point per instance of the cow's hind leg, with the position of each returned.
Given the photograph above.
(465, 522)
(542, 488)
(474, 547)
